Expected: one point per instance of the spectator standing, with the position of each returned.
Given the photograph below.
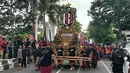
(33, 44)
(27, 43)
(10, 49)
(24, 56)
(19, 57)
(108, 52)
(4, 46)
(15, 50)
(1, 49)
(98, 51)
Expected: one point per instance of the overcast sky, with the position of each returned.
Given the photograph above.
(82, 8)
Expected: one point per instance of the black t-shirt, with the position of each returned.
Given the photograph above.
(36, 52)
(27, 43)
(24, 53)
(86, 52)
(71, 51)
(33, 44)
(15, 43)
(47, 53)
(60, 51)
(19, 43)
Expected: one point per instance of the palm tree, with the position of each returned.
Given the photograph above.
(49, 8)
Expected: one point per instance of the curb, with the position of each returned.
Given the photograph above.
(7, 64)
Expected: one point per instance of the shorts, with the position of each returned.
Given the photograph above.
(85, 63)
(94, 58)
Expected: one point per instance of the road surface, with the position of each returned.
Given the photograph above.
(103, 67)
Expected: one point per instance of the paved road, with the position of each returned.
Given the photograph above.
(103, 67)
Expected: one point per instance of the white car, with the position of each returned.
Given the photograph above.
(126, 65)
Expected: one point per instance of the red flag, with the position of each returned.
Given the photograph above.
(31, 37)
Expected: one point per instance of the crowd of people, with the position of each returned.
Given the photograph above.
(44, 53)
(41, 52)
(9, 49)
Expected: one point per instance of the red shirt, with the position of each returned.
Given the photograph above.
(108, 51)
(4, 44)
(98, 48)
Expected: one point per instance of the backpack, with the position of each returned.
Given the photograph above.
(118, 57)
(40, 60)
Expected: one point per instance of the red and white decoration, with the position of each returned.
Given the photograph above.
(68, 18)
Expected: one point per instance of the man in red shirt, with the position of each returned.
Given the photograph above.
(98, 51)
(0, 46)
(4, 44)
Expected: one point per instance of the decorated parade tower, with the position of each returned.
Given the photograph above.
(66, 34)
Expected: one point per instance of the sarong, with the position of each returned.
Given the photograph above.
(45, 69)
(60, 61)
(94, 58)
(72, 62)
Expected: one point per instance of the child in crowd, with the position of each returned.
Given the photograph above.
(19, 57)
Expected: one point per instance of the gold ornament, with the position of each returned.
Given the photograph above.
(68, 4)
(65, 43)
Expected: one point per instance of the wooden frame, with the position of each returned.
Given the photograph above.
(75, 58)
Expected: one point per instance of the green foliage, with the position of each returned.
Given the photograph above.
(101, 33)
(108, 14)
(77, 26)
(15, 16)
(40, 36)
(50, 8)
(111, 11)
(25, 35)
(26, 29)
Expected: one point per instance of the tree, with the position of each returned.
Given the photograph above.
(47, 7)
(77, 26)
(6, 15)
(40, 36)
(107, 12)
(100, 33)
(15, 15)
(111, 12)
